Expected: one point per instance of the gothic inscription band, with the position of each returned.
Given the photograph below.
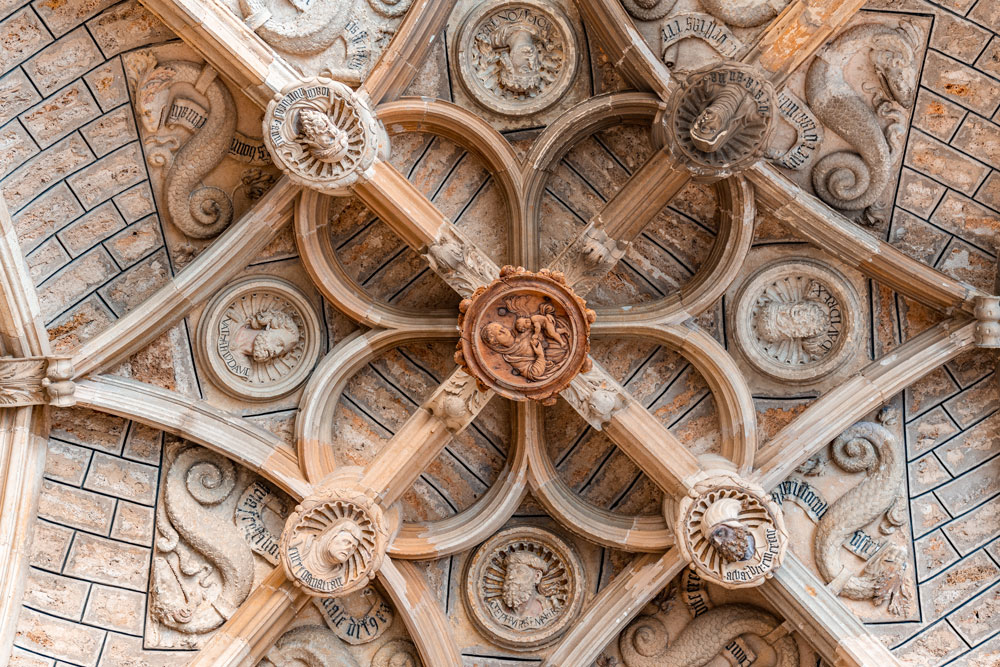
(259, 339)
(525, 335)
(524, 587)
(517, 57)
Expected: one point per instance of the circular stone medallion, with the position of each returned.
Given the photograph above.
(524, 587)
(525, 335)
(259, 338)
(517, 57)
(334, 542)
(322, 134)
(797, 320)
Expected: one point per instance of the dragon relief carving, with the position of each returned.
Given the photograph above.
(308, 646)
(645, 643)
(198, 210)
(312, 29)
(744, 13)
(203, 569)
(856, 180)
(870, 448)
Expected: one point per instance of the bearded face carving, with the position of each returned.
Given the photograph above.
(323, 139)
(518, 67)
(777, 321)
(277, 336)
(520, 584)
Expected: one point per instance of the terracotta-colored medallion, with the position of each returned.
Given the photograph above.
(526, 335)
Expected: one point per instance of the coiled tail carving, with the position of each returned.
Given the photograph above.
(743, 13)
(313, 29)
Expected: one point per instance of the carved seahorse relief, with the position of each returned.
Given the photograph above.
(873, 449)
(856, 180)
(308, 646)
(203, 569)
(162, 94)
(312, 29)
(645, 643)
(744, 13)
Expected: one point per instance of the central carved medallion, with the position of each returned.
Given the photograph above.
(524, 587)
(525, 335)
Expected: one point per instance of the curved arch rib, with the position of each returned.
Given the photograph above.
(426, 623)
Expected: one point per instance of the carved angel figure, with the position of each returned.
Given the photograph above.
(537, 347)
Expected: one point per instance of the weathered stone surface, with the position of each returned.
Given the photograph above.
(927, 155)
(75, 281)
(933, 553)
(55, 594)
(91, 229)
(16, 95)
(108, 84)
(957, 37)
(66, 463)
(928, 513)
(961, 84)
(45, 215)
(975, 528)
(126, 26)
(79, 324)
(963, 217)
(978, 619)
(125, 651)
(21, 658)
(76, 508)
(917, 193)
(61, 62)
(135, 242)
(132, 287)
(120, 478)
(62, 16)
(143, 444)
(957, 584)
(49, 545)
(926, 473)
(43, 170)
(96, 430)
(937, 116)
(109, 175)
(989, 192)
(115, 609)
(928, 431)
(111, 131)
(980, 139)
(78, 644)
(968, 264)
(972, 447)
(21, 34)
(136, 202)
(106, 561)
(15, 147)
(46, 260)
(933, 647)
(63, 112)
(970, 489)
(133, 523)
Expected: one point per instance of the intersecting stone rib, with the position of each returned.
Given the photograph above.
(427, 625)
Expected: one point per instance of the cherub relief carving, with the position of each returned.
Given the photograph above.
(538, 345)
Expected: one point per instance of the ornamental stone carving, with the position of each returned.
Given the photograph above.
(458, 261)
(311, 29)
(797, 320)
(648, 10)
(524, 587)
(720, 119)
(458, 401)
(259, 338)
(308, 646)
(987, 314)
(596, 397)
(589, 258)
(260, 515)
(397, 653)
(358, 618)
(525, 335)
(517, 57)
(323, 135)
(36, 381)
(730, 531)
(334, 542)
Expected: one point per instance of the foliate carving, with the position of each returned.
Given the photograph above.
(596, 397)
(36, 381)
(797, 320)
(397, 653)
(334, 542)
(459, 262)
(357, 618)
(458, 401)
(198, 210)
(590, 257)
(648, 10)
(202, 567)
(873, 449)
(308, 646)
(525, 335)
(987, 314)
(323, 135)
(259, 338)
(517, 57)
(856, 181)
(313, 28)
(721, 118)
(732, 533)
(524, 587)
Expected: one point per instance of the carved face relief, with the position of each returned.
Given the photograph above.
(524, 586)
(796, 321)
(259, 338)
(322, 134)
(517, 57)
(525, 335)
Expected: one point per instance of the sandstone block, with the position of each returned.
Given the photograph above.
(46, 260)
(989, 61)
(988, 14)
(928, 431)
(75, 281)
(125, 27)
(62, 61)
(66, 463)
(134, 286)
(143, 444)
(928, 513)
(933, 554)
(979, 526)
(958, 37)
(972, 447)
(64, 16)
(970, 489)
(989, 193)
(933, 647)
(55, 594)
(125, 651)
(108, 84)
(16, 95)
(123, 479)
(45, 169)
(75, 508)
(91, 229)
(937, 116)
(79, 324)
(974, 403)
(97, 430)
(944, 164)
(986, 654)
(15, 147)
(21, 34)
(49, 545)
(979, 138)
(109, 562)
(78, 644)
(133, 523)
(978, 619)
(971, 221)
(109, 175)
(917, 193)
(21, 658)
(110, 131)
(60, 114)
(926, 473)
(957, 584)
(135, 241)
(968, 264)
(136, 202)
(115, 609)
(961, 84)
(45, 215)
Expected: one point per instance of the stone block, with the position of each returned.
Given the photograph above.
(109, 562)
(45, 215)
(933, 554)
(133, 523)
(122, 479)
(21, 658)
(97, 430)
(928, 431)
(66, 463)
(74, 282)
(108, 84)
(110, 131)
(968, 264)
(976, 402)
(926, 473)
(21, 34)
(989, 193)
(78, 644)
(135, 241)
(125, 651)
(55, 594)
(76, 508)
(931, 648)
(108, 176)
(976, 528)
(942, 163)
(978, 619)
(972, 366)
(16, 95)
(134, 286)
(49, 545)
(979, 138)
(972, 447)
(46, 260)
(127, 26)
(136, 202)
(958, 38)
(62, 17)
(926, 392)
(956, 585)
(45, 169)
(971, 221)
(927, 513)
(961, 84)
(62, 61)
(917, 193)
(16, 147)
(986, 654)
(79, 324)
(987, 12)
(115, 609)
(989, 60)
(972, 488)
(937, 116)
(143, 444)
(60, 114)
(91, 229)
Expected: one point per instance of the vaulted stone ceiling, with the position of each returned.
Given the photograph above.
(447, 332)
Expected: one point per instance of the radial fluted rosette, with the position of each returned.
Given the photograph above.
(526, 335)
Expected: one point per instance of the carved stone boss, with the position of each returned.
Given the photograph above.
(323, 135)
(259, 338)
(36, 381)
(517, 57)
(524, 587)
(525, 335)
